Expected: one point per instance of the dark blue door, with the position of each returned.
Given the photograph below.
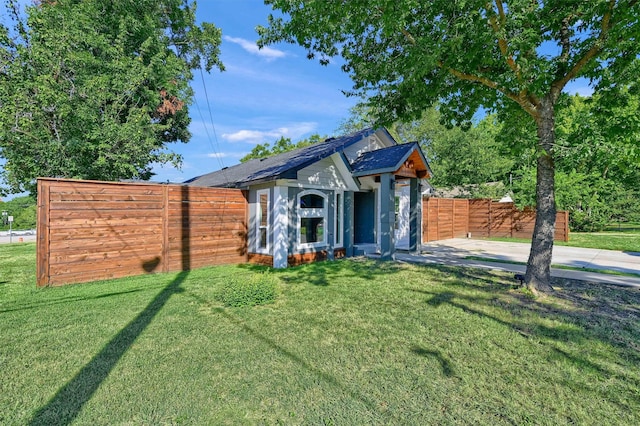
(364, 217)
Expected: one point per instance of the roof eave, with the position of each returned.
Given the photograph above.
(375, 172)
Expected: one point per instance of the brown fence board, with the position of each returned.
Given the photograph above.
(125, 212)
(113, 205)
(105, 244)
(481, 218)
(104, 222)
(104, 232)
(139, 254)
(89, 230)
(74, 196)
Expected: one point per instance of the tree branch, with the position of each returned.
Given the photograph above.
(524, 99)
(565, 39)
(409, 37)
(503, 45)
(558, 85)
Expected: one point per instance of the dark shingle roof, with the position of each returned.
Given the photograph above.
(385, 160)
(282, 166)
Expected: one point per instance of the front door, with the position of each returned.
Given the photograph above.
(364, 215)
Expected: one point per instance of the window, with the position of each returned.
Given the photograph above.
(339, 212)
(312, 201)
(311, 230)
(262, 221)
(312, 218)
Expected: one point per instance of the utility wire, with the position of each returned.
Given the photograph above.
(216, 148)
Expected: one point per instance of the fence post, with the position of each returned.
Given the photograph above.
(489, 218)
(453, 219)
(165, 228)
(437, 220)
(512, 216)
(42, 234)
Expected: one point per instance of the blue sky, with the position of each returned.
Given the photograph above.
(262, 95)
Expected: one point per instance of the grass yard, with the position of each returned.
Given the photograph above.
(608, 240)
(346, 342)
(626, 239)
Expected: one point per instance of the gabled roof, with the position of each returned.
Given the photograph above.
(388, 160)
(282, 166)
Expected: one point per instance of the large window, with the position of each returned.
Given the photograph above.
(312, 218)
(262, 221)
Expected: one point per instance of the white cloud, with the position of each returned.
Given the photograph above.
(226, 154)
(294, 132)
(266, 52)
(217, 155)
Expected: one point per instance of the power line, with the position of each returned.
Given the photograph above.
(216, 148)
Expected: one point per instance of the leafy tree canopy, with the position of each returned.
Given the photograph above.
(96, 89)
(597, 161)
(281, 145)
(515, 56)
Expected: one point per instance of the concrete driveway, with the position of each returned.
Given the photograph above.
(457, 251)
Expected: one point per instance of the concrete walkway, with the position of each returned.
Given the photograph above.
(456, 252)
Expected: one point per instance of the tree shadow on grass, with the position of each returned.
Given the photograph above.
(67, 403)
(326, 377)
(73, 299)
(322, 273)
(578, 312)
(445, 364)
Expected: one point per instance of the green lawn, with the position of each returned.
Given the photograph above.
(346, 342)
(626, 239)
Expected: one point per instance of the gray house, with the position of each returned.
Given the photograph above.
(346, 196)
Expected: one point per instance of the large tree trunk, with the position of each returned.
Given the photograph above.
(538, 275)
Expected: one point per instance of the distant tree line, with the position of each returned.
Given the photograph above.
(283, 144)
(597, 163)
(23, 210)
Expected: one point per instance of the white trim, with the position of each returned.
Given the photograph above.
(338, 225)
(280, 226)
(339, 162)
(378, 224)
(259, 193)
(311, 214)
(403, 219)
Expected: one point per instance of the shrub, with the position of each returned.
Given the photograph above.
(248, 290)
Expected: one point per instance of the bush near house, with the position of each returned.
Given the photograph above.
(252, 290)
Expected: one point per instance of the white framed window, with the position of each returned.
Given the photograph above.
(263, 205)
(312, 218)
(339, 218)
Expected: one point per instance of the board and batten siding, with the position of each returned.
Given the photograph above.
(370, 143)
(90, 230)
(323, 174)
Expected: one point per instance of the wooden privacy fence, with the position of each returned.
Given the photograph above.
(91, 230)
(444, 218)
